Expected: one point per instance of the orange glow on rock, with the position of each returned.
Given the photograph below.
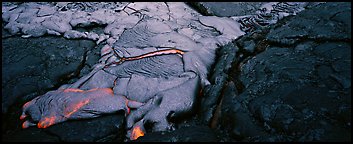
(27, 124)
(156, 53)
(27, 104)
(23, 117)
(94, 89)
(76, 107)
(200, 93)
(136, 133)
(108, 90)
(70, 108)
(115, 81)
(150, 54)
(73, 90)
(48, 121)
(24, 125)
(128, 109)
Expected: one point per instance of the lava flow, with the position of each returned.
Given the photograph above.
(150, 54)
(76, 100)
(76, 107)
(48, 121)
(137, 132)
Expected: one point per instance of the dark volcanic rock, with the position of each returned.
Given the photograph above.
(185, 134)
(330, 21)
(234, 115)
(101, 129)
(38, 64)
(31, 67)
(218, 79)
(32, 134)
(226, 9)
(299, 87)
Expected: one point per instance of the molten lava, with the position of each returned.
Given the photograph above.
(27, 124)
(150, 54)
(76, 107)
(72, 90)
(136, 133)
(23, 117)
(48, 121)
(24, 125)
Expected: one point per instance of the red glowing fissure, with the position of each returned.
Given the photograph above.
(150, 54)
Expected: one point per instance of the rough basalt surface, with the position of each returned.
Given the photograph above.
(36, 65)
(294, 82)
(184, 134)
(108, 128)
(227, 9)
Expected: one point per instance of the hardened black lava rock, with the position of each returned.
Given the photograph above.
(185, 134)
(31, 66)
(299, 87)
(31, 134)
(102, 129)
(226, 9)
(38, 64)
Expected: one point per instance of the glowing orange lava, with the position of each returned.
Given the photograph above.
(70, 109)
(76, 107)
(23, 117)
(94, 89)
(48, 121)
(136, 133)
(24, 125)
(156, 53)
(150, 54)
(72, 90)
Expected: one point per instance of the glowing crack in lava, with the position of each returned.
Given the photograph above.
(150, 54)
(73, 90)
